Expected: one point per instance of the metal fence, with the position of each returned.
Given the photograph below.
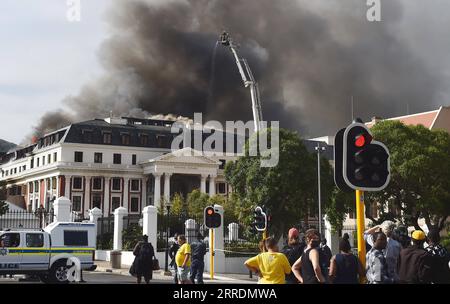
(25, 219)
(105, 233)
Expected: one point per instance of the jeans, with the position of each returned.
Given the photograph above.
(197, 268)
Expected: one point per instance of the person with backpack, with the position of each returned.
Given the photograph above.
(415, 263)
(344, 266)
(440, 257)
(293, 250)
(198, 249)
(143, 263)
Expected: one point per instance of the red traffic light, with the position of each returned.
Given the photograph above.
(210, 211)
(362, 139)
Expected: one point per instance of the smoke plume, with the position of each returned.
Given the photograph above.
(308, 59)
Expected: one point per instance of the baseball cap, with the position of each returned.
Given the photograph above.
(418, 235)
(293, 232)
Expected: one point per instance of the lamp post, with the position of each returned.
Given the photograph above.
(166, 268)
(319, 149)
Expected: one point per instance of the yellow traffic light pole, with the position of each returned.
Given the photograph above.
(360, 226)
(211, 253)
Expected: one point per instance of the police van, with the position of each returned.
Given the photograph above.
(49, 253)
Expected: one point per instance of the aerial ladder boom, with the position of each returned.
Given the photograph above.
(248, 79)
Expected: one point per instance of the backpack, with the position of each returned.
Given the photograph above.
(146, 252)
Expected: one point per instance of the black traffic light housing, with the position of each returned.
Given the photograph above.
(212, 218)
(365, 162)
(259, 219)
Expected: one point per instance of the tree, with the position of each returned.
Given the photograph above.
(288, 189)
(3, 206)
(196, 203)
(420, 174)
(340, 204)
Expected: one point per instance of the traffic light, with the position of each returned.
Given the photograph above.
(338, 162)
(259, 219)
(365, 162)
(213, 219)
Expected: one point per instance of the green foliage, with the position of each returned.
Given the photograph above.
(131, 236)
(420, 173)
(105, 241)
(340, 204)
(178, 205)
(288, 189)
(196, 203)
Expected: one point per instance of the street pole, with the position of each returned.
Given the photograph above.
(318, 148)
(166, 268)
(360, 228)
(211, 253)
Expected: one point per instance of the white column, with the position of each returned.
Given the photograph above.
(62, 208)
(87, 192)
(126, 192)
(58, 180)
(203, 183)
(144, 200)
(106, 197)
(212, 185)
(157, 194)
(119, 214)
(44, 203)
(167, 186)
(94, 215)
(189, 230)
(67, 186)
(150, 226)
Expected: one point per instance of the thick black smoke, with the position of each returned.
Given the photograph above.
(308, 62)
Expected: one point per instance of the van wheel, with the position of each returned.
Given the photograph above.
(58, 272)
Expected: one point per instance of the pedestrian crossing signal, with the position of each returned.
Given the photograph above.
(212, 218)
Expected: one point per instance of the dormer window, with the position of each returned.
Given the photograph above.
(107, 137)
(125, 138)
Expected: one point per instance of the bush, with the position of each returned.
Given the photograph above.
(105, 241)
(131, 236)
(445, 241)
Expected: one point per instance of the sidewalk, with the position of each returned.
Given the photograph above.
(104, 266)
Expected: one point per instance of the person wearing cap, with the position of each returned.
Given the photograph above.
(293, 250)
(415, 263)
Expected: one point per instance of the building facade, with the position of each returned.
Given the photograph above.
(108, 163)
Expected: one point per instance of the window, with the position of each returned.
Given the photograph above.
(106, 137)
(43, 160)
(37, 163)
(32, 163)
(54, 183)
(134, 204)
(133, 159)
(75, 238)
(97, 201)
(87, 136)
(97, 183)
(115, 203)
(125, 139)
(24, 168)
(49, 159)
(144, 139)
(55, 157)
(116, 184)
(135, 185)
(48, 184)
(117, 159)
(36, 187)
(98, 158)
(35, 239)
(11, 239)
(222, 188)
(76, 203)
(78, 157)
(30, 186)
(222, 164)
(77, 183)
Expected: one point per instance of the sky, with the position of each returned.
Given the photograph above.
(44, 58)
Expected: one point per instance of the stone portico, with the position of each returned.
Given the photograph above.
(181, 172)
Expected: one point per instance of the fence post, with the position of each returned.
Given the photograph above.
(62, 209)
(94, 215)
(233, 232)
(189, 228)
(150, 224)
(119, 214)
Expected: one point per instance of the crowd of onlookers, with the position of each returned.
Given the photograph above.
(393, 256)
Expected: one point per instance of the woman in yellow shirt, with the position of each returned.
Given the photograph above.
(272, 265)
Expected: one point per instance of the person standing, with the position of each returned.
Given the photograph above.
(172, 253)
(272, 265)
(415, 263)
(441, 258)
(198, 248)
(183, 260)
(393, 248)
(325, 257)
(293, 251)
(344, 266)
(307, 268)
(145, 254)
(376, 266)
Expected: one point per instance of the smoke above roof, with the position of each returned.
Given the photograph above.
(309, 58)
